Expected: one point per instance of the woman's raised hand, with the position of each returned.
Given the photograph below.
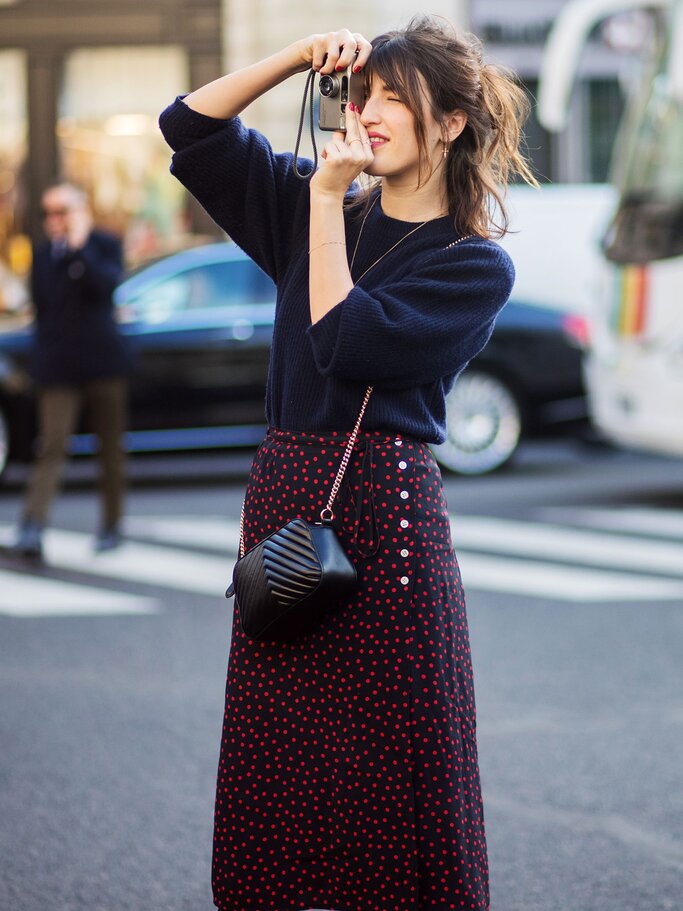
(334, 50)
(345, 156)
(228, 95)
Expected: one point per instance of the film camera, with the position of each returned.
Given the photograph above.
(336, 90)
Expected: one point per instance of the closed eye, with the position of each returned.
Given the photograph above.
(389, 93)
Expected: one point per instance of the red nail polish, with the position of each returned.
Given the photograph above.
(356, 69)
(340, 68)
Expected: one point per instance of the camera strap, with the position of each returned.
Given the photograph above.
(308, 89)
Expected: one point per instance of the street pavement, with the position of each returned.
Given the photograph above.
(112, 670)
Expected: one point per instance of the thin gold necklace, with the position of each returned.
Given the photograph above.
(355, 249)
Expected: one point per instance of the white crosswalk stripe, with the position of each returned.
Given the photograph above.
(133, 561)
(663, 523)
(31, 596)
(561, 583)
(554, 542)
(209, 533)
(571, 555)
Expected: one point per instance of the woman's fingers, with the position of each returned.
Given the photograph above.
(331, 55)
(349, 146)
(338, 50)
(324, 52)
(345, 156)
(352, 138)
(335, 45)
(364, 49)
(348, 53)
(356, 135)
(362, 132)
(335, 149)
(317, 54)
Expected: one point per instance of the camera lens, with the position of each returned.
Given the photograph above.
(329, 86)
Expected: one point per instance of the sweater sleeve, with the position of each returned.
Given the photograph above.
(423, 327)
(249, 191)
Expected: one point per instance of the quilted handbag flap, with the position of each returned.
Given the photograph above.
(290, 563)
(297, 565)
(283, 567)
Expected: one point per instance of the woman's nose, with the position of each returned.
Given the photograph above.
(369, 113)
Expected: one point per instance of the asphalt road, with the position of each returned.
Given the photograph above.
(112, 671)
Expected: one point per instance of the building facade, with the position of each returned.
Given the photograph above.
(84, 81)
(83, 84)
(514, 35)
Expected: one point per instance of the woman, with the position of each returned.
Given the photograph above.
(348, 775)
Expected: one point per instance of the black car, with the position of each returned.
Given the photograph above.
(200, 324)
(528, 381)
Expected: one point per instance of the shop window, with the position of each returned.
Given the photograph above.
(15, 248)
(110, 143)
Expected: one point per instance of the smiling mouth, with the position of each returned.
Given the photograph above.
(377, 141)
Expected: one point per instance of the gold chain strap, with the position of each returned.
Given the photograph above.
(458, 241)
(242, 529)
(345, 461)
(326, 514)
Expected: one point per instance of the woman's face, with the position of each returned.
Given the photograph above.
(391, 128)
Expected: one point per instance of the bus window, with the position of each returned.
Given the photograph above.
(648, 224)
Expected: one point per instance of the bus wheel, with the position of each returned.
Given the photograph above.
(483, 424)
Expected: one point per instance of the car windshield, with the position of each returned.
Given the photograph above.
(208, 286)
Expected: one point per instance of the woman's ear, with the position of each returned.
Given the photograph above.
(454, 124)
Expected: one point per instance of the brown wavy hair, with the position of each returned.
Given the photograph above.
(480, 162)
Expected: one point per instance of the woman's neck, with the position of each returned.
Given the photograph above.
(406, 203)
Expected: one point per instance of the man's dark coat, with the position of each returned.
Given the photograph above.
(76, 336)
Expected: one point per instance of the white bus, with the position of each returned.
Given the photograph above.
(634, 367)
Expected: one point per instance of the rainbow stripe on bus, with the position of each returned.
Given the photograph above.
(629, 314)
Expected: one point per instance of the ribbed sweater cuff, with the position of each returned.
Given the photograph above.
(324, 336)
(181, 125)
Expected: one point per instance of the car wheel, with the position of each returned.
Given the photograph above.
(483, 424)
(4, 442)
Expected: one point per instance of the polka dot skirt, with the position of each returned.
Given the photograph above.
(348, 775)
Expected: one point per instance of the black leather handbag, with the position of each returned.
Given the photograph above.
(285, 583)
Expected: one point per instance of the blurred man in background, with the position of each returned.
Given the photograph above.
(79, 359)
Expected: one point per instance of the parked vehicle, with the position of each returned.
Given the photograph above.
(200, 324)
(634, 367)
(527, 382)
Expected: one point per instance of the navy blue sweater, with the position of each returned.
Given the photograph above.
(408, 328)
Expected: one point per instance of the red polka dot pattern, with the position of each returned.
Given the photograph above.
(348, 775)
